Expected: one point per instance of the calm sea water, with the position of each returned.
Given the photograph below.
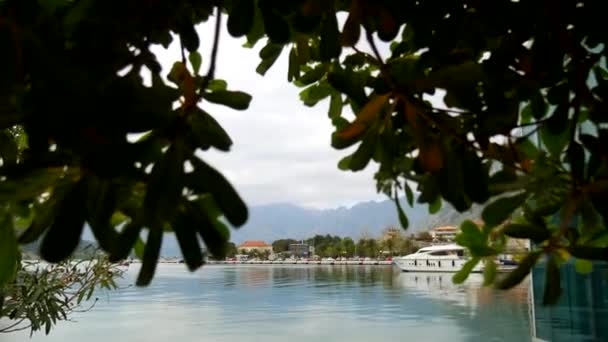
(298, 303)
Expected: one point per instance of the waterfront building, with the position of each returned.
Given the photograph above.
(444, 233)
(300, 250)
(254, 245)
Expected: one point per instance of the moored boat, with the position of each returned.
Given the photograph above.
(439, 258)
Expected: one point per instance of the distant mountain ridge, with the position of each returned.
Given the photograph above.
(285, 220)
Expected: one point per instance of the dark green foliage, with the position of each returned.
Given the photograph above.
(8, 251)
(517, 100)
(241, 16)
(63, 235)
(522, 270)
(462, 275)
(42, 295)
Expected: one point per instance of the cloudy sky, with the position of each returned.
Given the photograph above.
(281, 150)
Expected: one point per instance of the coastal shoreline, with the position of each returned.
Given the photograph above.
(299, 262)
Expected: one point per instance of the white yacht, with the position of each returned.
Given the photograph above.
(439, 258)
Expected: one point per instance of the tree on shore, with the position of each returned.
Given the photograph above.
(282, 245)
(40, 296)
(231, 250)
(424, 236)
(522, 123)
(347, 246)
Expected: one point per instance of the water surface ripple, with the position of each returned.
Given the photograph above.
(298, 303)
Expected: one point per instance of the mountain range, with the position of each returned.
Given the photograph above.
(285, 220)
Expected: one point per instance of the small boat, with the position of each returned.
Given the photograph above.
(439, 258)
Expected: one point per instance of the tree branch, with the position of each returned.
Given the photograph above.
(372, 44)
(211, 72)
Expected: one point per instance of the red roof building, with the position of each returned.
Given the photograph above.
(251, 245)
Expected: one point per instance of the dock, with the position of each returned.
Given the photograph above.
(301, 262)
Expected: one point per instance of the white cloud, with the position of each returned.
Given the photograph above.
(281, 150)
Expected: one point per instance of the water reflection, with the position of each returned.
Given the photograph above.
(300, 303)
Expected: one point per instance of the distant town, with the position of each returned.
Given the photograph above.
(392, 242)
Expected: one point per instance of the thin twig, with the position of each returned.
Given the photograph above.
(181, 49)
(535, 123)
(370, 40)
(216, 38)
(368, 57)
(529, 133)
(7, 329)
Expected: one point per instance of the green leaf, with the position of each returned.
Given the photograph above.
(429, 189)
(8, 250)
(402, 217)
(526, 114)
(489, 272)
(471, 236)
(257, 29)
(215, 85)
(206, 131)
(559, 93)
(350, 83)
(165, 186)
(187, 34)
(269, 54)
(462, 275)
(522, 270)
(312, 76)
(52, 5)
(555, 143)
(63, 236)
(527, 149)
(151, 254)
(76, 13)
(365, 151)
(234, 99)
(558, 122)
(294, 66)
(589, 253)
(315, 93)
(535, 233)
(195, 60)
(8, 149)
(344, 163)
(409, 194)
(184, 228)
(139, 247)
(576, 159)
(329, 47)
(129, 239)
(552, 282)
(538, 105)
(435, 205)
(452, 181)
(583, 266)
(240, 20)
(351, 31)
(44, 214)
(335, 105)
(101, 203)
(276, 27)
(501, 209)
(476, 177)
(205, 179)
(215, 234)
(458, 76)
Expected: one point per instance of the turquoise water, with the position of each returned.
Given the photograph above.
(298, 303)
